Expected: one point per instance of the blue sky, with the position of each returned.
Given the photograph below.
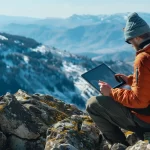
(65, 8)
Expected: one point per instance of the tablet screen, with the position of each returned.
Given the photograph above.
(103, 73)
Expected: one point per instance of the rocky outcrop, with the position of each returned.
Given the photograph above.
(75, 132)
(140, 145)
(25, 118)
(17, 120)
(38, 122)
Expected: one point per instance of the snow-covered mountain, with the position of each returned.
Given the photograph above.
(87, 35)
(28, 65)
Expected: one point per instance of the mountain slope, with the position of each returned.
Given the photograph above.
(28, 65)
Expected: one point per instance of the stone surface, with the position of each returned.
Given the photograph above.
(3, 140)
(38, 122)
(15, 119)
(140, 145)
(132, 138)
(77, 131)
(25, 118)
(65, 147)
(118, 146)
(20, 144)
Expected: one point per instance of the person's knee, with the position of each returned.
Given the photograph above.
(105, 101)
(101, 101)
(91, 103)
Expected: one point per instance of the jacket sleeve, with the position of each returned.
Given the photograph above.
(130, 80)
(138, 96)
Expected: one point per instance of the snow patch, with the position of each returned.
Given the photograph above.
(3, 37)
(17, 42)
(7, 66)
(42, 49)
(26, 59)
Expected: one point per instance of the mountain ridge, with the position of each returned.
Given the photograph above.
(81, 34)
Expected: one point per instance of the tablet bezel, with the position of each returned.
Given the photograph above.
(122, 82)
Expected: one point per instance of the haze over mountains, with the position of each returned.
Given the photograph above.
(99, 37)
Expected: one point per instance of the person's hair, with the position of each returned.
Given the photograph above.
(145, 36)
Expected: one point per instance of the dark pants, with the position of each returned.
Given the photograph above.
(110, 116)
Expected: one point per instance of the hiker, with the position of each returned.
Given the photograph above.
(123, 108)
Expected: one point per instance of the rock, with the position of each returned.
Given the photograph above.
(69, 131)
(132, 138)
(47, 98)
(72, 110)
(15, 119)
(25, 118)
(104, 146)
(148, 146)
(21, 144)
(2, 141)
(89, 126)
(42, 107)
(118, 146)
(140, 145)
(22, 95)
(65, 147)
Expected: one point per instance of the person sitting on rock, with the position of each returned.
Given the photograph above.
(123, 108)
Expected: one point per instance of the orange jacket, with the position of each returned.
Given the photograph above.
(139, 95)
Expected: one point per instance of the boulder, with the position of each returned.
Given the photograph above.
(17, 143)
(118, 146)
(17, 120)
(3, 140)
(140, 145)
(78, 132)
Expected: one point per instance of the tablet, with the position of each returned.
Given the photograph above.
(103, 73)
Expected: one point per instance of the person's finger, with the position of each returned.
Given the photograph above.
(101, 85)
(100, 88)
(102, 82)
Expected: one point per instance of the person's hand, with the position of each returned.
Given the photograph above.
(124, 77)
(105, 88)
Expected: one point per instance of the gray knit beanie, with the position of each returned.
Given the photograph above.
(135, 26)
